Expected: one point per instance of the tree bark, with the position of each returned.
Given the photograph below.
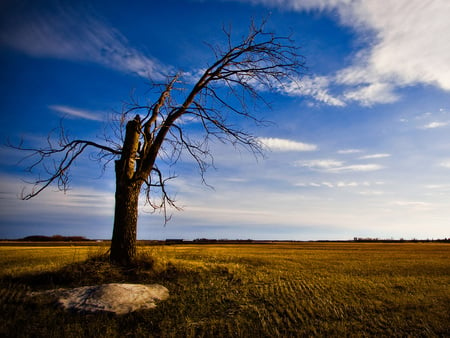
(128, 187)
(123, 243)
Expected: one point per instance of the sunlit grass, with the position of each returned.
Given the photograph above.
(18, 260)
(270, 290)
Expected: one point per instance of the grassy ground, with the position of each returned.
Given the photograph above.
(270, 290)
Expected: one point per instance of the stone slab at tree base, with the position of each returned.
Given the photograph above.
(116, 298)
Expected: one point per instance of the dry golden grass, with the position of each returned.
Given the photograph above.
(266, 290)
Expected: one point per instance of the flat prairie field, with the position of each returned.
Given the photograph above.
(306, 289)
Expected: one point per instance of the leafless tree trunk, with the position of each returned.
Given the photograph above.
(241, 73)
(123, 245)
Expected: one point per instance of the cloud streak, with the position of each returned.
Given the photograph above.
(315, 87)
(356, 168)
(407, 46)
(334, 166)
(284, 145)
(319, 164)
(78, 37)
(349, 151)
(374, 156)
(339, 184)
(435, 124)
(76, 113)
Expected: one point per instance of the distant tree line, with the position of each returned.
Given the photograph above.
(209, 241)
(401, 240)
(59, 238)
(55, 238)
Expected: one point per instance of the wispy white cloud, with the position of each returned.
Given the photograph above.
(374, 156)
(279, 144)
(349, 151)
(338, 184)
(334, 166)
(445, 164)
(407, 46)
(356, 168)
(342, 184)
(429, 120)
(76, 112)
(299, 5)
(414, 205)
(369, 94)
(319, 164)
(315, 87)
(78, 36)
(439, 187)
(435, 124)
(92, 201)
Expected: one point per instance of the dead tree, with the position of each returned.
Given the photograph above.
(241, 73)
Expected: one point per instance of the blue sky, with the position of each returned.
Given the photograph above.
(361, 148)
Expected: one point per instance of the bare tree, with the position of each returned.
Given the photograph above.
(224, 90)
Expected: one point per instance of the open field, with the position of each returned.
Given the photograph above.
(264, 290)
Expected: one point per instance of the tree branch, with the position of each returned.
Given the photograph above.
(59, 172)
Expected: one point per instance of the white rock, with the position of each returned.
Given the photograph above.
(116, 298)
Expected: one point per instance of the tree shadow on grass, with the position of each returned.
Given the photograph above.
(98, 270)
